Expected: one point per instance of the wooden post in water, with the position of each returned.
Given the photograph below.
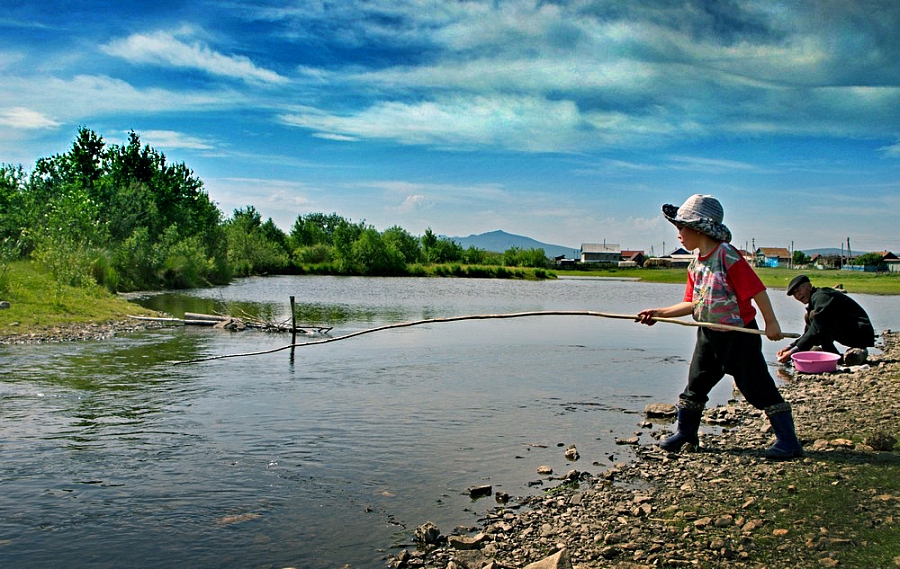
(293, 323)
(293, 329)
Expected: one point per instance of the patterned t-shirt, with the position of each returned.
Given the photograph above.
(721, 286)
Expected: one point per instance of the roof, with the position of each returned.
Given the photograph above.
(628, 254)
(779, 252)
(600, 248)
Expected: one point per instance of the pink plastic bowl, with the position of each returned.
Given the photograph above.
(815, 362)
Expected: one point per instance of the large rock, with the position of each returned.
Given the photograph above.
(559, 560)
(427, 534)
(660, 411)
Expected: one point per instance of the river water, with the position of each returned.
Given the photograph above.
(112, 457)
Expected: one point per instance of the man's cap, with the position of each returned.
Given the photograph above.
(796, 282)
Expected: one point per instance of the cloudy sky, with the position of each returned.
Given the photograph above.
(568, 122)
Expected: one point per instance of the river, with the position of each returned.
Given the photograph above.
(112, 457)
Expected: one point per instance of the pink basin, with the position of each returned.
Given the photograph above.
(815, 362)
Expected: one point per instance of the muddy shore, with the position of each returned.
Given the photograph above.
(724, 506)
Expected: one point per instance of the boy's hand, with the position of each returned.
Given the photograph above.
(773, 331)
(646, 317)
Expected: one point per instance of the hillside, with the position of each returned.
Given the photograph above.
(500, 241)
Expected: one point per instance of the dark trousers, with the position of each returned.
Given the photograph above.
(734, 353)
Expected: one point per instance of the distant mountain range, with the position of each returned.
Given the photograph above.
(831, 251)
(500, 241)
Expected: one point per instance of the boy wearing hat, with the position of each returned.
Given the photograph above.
(720, 288)
(831, 316)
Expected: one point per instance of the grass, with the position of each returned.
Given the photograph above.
(852, 507)
(862, 283)
(36, 302)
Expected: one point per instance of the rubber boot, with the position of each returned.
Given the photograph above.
(686, 430)
(786, 444)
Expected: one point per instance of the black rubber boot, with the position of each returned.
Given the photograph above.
(786, 446)
(686, 430)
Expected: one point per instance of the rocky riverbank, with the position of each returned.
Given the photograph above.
(76, 332)
(724, 506)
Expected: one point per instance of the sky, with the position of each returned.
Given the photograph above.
(569, 122)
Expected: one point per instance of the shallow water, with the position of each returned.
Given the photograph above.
(114, 457)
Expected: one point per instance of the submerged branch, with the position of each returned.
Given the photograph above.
(632, 317)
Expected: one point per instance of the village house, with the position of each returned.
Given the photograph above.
(773, 257)
(820, 261)
(600, 253)
(632, 259)
(891, 260)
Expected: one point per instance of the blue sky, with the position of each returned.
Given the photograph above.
(568, 122)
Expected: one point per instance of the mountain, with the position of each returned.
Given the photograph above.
(831, 251)
(500, 241)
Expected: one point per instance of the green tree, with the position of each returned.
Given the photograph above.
(403, 241)
(371, 254)
(12, 190)
(870, 260)
(250, 251)
(800, 258)
(314, 229)
(440, 249)
(345, 235)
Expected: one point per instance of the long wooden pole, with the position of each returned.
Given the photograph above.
(632, 317)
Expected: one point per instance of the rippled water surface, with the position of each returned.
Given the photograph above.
(111, 456)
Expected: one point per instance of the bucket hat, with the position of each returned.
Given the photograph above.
(701, 212)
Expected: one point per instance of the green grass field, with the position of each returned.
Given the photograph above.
(863, 283)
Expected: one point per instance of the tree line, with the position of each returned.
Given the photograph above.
(123, 217)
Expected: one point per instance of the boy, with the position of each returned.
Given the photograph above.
(720, 286)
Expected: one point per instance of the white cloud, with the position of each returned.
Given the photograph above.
(168, 139)
(522, 123)
(87, 96)
(412, 203)
(22, 118)
(164, 49)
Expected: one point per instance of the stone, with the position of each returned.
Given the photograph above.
(855, 356)
(464, 542)
(544, 470)
(660, 411)
(480, 491)
(559, 560)
(427, 534)
(4, 305)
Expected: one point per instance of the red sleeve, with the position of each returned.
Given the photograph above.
(689, 288)
(744, 280)
(746, 284)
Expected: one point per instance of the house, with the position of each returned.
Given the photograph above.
(679, 258)
(820, 261)
(773, 257)
(891, 260)
(600, 253)
(636, 257)
(747, 255)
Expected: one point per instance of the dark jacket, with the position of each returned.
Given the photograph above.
(832, 316)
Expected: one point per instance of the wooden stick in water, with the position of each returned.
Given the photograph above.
(632, 317)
